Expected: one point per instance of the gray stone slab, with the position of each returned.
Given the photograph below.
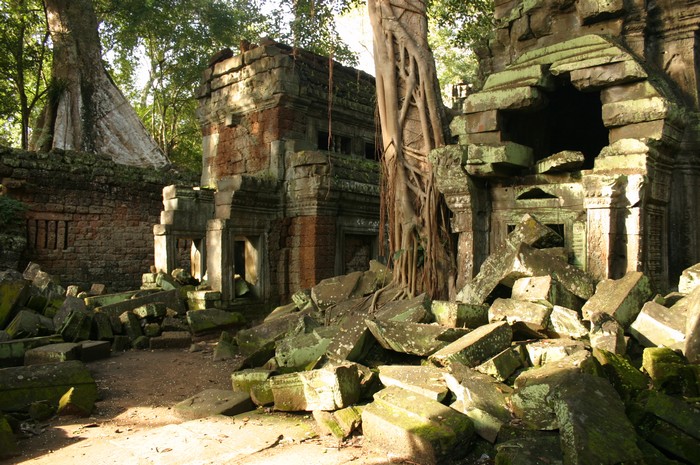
(565, 322)
(95, 350)
(201, 321)
(428, 381)
(607, 334)
(481, 398)
(552, 350)
(534, 315)
(621, 298)
(459, 315)
(171, 340)
(330, 388)
(410, 426)
(413, 338)
(53, 353)
(214, 402)
(476, 347)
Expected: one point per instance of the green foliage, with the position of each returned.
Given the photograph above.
(24, 59)
(11, 211)
(310, 24)
(471, 22)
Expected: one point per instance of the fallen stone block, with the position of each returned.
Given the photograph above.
(53, 353)
(481, 398)
(529, 401)
(301, 350)
(606, 333)
(544, 290)
(121, 343)
(459, 315)
(28, 323)
(282, 310)
(77, 326)
(263, 337)
(352, 342)
(426, 380)
(502, 365)
(170, 323)
(152, 310)
(330, 388)
(534, 315)
(12, 351)
(691, 349)
(340, 423)
(476, 347)
(670, 372)
(565, 322)
(151, 329)
(499, 264)
(408, 310)
(689, 279)
(627, 380)
(95, 350)
(677, 415)
(261, 394)
(101, 327)
(171, 340)
(336, 289)
(593, 426)
(8, 443)
(48, 286)
(210, 319)
(517, 446)
(214, 402)
(552, 350)
(13, 294)
(413, 338)
(141, 343)
(21, 386)
(621, 298)
(226, 348)
(245, 380)
(131, 325)
(410, 426)
(131, 300)
(201, 300)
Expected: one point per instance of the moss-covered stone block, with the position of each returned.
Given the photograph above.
(8, 442)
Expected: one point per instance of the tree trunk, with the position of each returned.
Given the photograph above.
(86, 111)
(413, 123)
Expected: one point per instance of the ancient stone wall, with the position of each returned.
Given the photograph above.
(89, 220)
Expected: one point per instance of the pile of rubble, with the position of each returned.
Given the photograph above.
(43, 323)
(555, 370)
(534, 363)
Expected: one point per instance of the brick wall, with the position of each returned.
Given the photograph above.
(312, 249)
(89, 220)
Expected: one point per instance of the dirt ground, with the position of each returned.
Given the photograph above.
(133, 421)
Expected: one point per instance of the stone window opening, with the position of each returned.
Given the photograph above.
(571, 120)
(189, 256)
(334, 143)
(47, 234)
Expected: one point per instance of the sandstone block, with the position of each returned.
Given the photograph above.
(8, 443)
(534, 315)
(410, 426)
(501, 365)
(481, 398)
(627, 380)
(333, 290)
(353, 340)
(12, 351)
(21, 386)
(214, 402)
(621, 298)
(53, 353)
(95, 350)
(13, 294)
(607, 334)
(591, 10)
(413, 338)
(657, 325)
(459, 315)
(691, 349)
(526, 447)
(689, 279)
(245, 380)
(612, 74)
(533, 75)
(565, 322)
(408, 310)
(638, 111)
(101, 327)
(226, 348)
(330, 388)
(670, 372)
(340, 423)
(476, 347)
(77, 326)
(301, 350)
(28, 323)
(427, 381)
(552, 350)
(211, 319)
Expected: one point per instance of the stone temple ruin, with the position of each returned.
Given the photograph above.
(289, 189)
(588, 120)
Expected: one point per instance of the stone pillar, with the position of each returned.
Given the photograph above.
(220, 270)
(164, 245)
(615, 223)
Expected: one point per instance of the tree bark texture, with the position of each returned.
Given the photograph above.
(86, 111)
(412, 121)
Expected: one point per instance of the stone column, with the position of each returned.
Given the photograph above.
(220, 270)
(164, 244)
